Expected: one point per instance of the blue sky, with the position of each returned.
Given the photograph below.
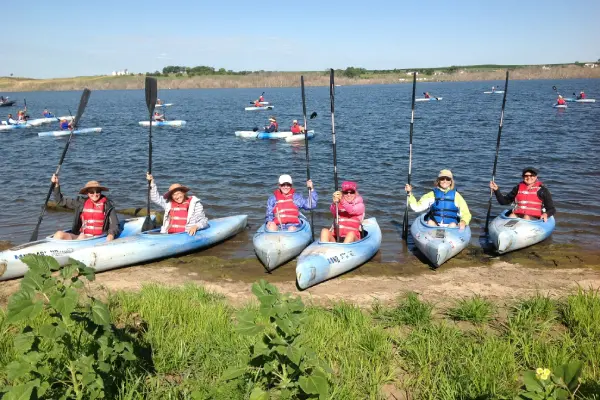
(72, 38)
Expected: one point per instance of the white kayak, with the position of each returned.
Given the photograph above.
(299, 137)
(164, 105)
(40, 121)
(15, 126)
(10, 260)
(323, 260)
(281, 135)
(508, 234)
(259, 108)
(585, 101)
(274, 248)
(163, 123)
(430, 99)
(496, 91)
(262, 103)
(438, 243)
(560, 106)
(68, 132)
(154, 245)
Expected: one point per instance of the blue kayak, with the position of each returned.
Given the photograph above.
(10, 260)
(163, 123)
(68, 132)
(439, 243)
(508, 234)
(15, 126)
(324, 260)
(282, 135)
(153, 245)
(274, 248)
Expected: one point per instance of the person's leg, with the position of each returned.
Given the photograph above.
(513, 215)
(452, 225)
(350, 237)
(60, 235)
(292, 228)
(326, 235)
(431, 222)
(272, 226)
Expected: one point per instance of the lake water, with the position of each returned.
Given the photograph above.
(233, 175)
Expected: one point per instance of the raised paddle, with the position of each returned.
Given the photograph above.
(487, 217)
(336, 222)
(85, 96)
(412, 122)
(312, 229)
(151, 96)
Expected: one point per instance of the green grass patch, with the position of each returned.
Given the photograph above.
(477, 310)
(409, 311)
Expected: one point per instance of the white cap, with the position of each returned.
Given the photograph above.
(285, 178)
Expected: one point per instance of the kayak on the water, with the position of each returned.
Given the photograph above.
(10, 260)
(560, 106)
(271, 135)
(67, 132)
(508, 234)
(574, 100)
(430, 99)
(163, 123)
(15, 126)
(299, 137)
(495, 91)
(164, 105)
(254, 108)
(439, 243)
(40, 121)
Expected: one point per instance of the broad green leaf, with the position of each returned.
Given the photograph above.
(52, 331)
(68, 271)
(23, 342)
(21, 306)
(246, 325)
(233, 372)
(569, 373)
(42, 388)
(294, 354)
(40, 264)
(21, 392)
(259, 394)
(65, 302)
(284, 325)
(266, 293)
(128, 355)
(32, 282)
(18, 369)
(77, 284)
(100, 313)
(315, 383)
(531, 382)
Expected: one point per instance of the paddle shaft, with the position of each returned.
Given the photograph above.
(410, 142)
(82, 104)
(151, 96)
(336, 222)
(312, 229)
(487, 217)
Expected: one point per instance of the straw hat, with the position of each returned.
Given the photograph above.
(445, 172)
(174, 187)
(295, 121)
(92, 185)
(272, 119)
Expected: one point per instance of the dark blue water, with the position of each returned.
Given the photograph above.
(233, 175)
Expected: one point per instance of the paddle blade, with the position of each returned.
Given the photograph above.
(151, 94)
(34, 235)
(255, 129)
(313, 115)
(85, 96)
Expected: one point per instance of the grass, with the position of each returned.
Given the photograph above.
(184, 339)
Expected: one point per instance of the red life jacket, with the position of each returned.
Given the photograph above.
(296, 129)
(528, 202)
(560, 101)
(92, 217)
(261, 98)
(582, 95)
(285, 211)
(257, 104)
(178, 215)
(349, 223)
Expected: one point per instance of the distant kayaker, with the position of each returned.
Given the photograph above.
(284, 204)
(95, 214)
(531, 197)
(493, 89)
(47, 114)
(351, 211)
(273, 125)
(183, 213)
(65, 125)
(426, 94)
(158, 117)
(295, 128)
(21, 116)
(257, 103)
(581, 95)
(261, 98)
(10, 120)
(560, 101)
(446, 205)
(159, 102)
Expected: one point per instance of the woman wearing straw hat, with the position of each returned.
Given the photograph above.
(273, 125)
(446, 206)
(95, 214)
(183, 213)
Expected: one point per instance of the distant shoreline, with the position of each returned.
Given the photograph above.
(288, 79)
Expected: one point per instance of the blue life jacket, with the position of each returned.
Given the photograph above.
(48, 115)
(64, 125)
(443, 210)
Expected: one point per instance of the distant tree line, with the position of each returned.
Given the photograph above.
(192, 71)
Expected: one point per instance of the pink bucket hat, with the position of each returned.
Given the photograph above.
(349, 185)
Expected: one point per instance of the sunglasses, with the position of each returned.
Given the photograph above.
(444, 178)
(286, 184)
(348, 191)
(529, 176)
(94, 191)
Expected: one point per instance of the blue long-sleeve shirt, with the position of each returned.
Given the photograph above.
(299, 201)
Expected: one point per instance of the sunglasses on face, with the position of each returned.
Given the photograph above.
(529, 176)
(444, 178)
(348, 191)
(94, 191)
(286, 185)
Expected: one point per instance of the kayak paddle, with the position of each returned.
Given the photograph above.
(312, 229)
(412, 122)
(151, 96)
(85, 96)
(487, 217)
(336, 222)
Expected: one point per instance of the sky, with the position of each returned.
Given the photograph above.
(80, 38)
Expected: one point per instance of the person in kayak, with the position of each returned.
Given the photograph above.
(65, 125)
(95, 214)
(581, 95)
(426, 94)
(183, 213)
(158, 117)
(159, 102)
(351, 212)
(10, 120)
(295, 128)
(261, 98)
(273, 125)
(47, 114)
(560, 101)
(21, 117)
(257, 103)
(284, 204)
(531, 197)
(493, 89)
(446, 205)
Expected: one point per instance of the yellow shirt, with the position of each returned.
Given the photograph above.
(428, 199)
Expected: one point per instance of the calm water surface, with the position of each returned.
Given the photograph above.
(233, 175)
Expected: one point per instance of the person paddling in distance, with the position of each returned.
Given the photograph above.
(47, 114)
(65, 125)
(351, 212)
(284, 204)
(159, 102)
(295, 128)
(10, 120)
(261, 98)
(581, 95)
(95, 214)
(560, 101)
(158, 117)
(531, 197)
(273, 125)
(493, 89)
(446, 206)
(183, 213)
(426, 94)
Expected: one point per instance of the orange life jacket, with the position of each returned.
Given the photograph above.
(178, 216)
(285, 211)
(528, 202)
(349, 223)
(92, 217)
(296, 129)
